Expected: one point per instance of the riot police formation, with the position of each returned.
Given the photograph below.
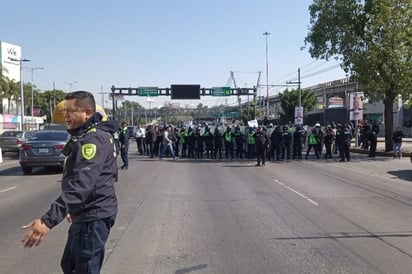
(285, 142)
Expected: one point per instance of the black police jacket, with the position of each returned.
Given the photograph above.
(90, 171)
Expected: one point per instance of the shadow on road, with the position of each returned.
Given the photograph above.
(402, 174)
(190, 269)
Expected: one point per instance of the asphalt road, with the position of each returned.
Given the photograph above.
(198, 216)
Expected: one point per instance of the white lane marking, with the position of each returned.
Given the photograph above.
(297, 192)
(7, 189)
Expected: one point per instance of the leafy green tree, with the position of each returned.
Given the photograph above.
(290, 99)
(125, 111)
(27, 98)
(248, 114)
(374, 41)
(12, 93)
(48, 100)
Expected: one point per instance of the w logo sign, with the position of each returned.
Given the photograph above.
(12, 51)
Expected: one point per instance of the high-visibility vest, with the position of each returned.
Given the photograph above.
(312, 139)
(182, 137)
(251, 138)
(228, 137)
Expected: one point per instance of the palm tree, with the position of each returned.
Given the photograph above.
(12, 93)
(3, 85)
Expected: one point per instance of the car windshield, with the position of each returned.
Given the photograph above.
(12, 134)
(50, 135)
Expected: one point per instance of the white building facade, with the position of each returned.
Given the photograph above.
(11, 70)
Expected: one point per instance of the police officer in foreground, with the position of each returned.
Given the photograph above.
(87, 198)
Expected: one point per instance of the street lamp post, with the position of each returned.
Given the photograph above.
(21, 90)
(267, 74)
(70, 85)
(32, 99)
(300, 92)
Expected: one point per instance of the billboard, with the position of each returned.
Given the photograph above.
(356, 106)
(11, 69)
(335, 102)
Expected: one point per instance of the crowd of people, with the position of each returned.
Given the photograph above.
(273, 143)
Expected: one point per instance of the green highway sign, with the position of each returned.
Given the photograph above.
(232, 114)
(220, 91)
(148, 91)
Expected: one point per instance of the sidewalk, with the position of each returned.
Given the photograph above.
(380, 149)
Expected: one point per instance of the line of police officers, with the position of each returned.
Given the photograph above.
(234, 142)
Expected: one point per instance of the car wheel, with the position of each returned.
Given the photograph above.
(26, 169)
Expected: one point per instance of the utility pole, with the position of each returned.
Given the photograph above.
(114, 103)
(20, 61)
(32, 97)
(267, 74)
(300, 94)
(54, 96)
(300, 91)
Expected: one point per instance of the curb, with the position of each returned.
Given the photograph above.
(379, 152)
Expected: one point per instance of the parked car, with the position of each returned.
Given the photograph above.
(11, 140)
(132, 131)
(43, 149)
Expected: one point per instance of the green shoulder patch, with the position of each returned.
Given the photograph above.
(89, 151)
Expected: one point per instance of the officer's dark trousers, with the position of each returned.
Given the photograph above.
(124, 153)
(251, 150)
(328, 147)
(260, 155)
(139, 143)
(372, 149)
(345, 152)
(84, 251)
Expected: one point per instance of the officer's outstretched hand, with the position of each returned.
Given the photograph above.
(37, 230)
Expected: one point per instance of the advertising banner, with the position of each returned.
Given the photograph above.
(356, 106)
(298, 115)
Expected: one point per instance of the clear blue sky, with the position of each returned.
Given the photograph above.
(163, 42)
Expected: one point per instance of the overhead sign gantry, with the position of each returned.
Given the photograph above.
(181, 92)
